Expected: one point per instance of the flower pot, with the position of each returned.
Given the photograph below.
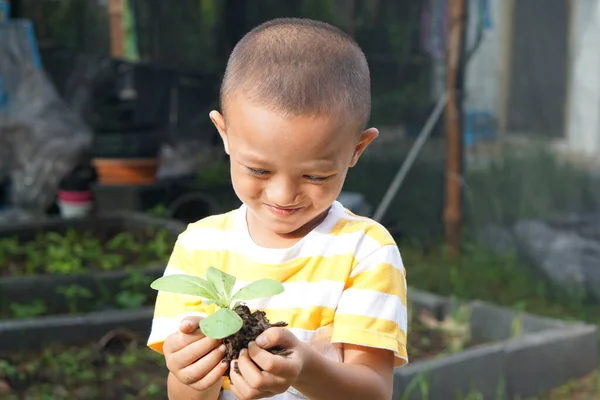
(75, 204)
(127, 171)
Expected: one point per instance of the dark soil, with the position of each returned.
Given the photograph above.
(255, 323)
(82, 251)
(118, 367)
(425, 342)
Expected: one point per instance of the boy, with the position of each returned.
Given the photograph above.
(295, 100)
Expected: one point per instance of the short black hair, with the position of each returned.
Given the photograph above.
(300, 66)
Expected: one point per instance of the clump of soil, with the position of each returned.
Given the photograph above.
(255, 323)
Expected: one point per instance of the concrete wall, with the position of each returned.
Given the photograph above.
(484, 70)
(583, 112)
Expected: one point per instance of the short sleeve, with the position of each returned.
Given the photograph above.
(171, 308)
(372, 310)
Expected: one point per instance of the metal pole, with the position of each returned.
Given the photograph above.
(410, 159)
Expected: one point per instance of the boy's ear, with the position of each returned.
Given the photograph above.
(219, 122)
(365, 139)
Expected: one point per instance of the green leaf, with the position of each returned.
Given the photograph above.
(221, 281)
(259, 289)
(186, 284)
(221, 324)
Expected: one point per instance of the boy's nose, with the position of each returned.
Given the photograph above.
(283, 194)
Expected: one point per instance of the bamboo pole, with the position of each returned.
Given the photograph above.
(453, 127)
(117, 34)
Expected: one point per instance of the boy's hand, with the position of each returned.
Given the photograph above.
(278, 372)
(194, 359)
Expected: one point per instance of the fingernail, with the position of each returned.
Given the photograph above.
(261, 341)
(243, 352)
(223, 348)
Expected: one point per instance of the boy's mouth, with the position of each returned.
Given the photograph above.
(283, 211)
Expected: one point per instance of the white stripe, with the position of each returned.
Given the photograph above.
(300, 294)
(228, 395)
(326, 245)
(371, 303)
(303, 294)
(385, 255)
(165, 326)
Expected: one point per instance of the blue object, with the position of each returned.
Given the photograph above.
(486, 17)
(4, 10)
(478, 124)
(3, 94)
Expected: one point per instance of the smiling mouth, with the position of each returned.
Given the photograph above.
(283, 211)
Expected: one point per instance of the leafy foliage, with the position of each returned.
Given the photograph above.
(217, 289)
(76, 252)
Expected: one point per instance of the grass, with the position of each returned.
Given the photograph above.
(528, 182)
(481, 274)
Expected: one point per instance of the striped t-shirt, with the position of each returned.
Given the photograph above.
(344, 282)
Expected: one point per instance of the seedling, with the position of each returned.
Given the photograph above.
(233, 322)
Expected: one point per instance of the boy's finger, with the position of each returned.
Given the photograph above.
(263, 359)
(190, 324)
(178, 340)
(205, 351)
(197, 366)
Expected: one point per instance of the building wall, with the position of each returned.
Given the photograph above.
(583, 110)
(484, 69)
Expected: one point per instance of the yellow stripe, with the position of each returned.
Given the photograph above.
(368, 227)
(169, 305)
(309, 269)
(226, 384)
(384, 278)
(309, 318)
(347, 330)
(158, 346)
(378, 341)
(375, 325)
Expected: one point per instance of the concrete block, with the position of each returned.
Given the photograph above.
(451, 377)
(538, 362)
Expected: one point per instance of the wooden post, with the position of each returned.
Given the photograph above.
(453, 126)
(117, 34)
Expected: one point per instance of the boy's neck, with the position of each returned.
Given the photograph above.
(274, 240)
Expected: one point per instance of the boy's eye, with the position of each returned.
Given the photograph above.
(317, 178)
(255, 171)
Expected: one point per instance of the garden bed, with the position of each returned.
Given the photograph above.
(56, 272)
(456, 350)
(512, 354)
(102, 369)
(50, 266)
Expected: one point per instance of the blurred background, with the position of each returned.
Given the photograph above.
(486, 170)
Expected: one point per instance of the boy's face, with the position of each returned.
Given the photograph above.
(287, 170)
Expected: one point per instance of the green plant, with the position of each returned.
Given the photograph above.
(76, 252)
(217, 289)
(33, 309)
(73, 294)
(133, 294)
